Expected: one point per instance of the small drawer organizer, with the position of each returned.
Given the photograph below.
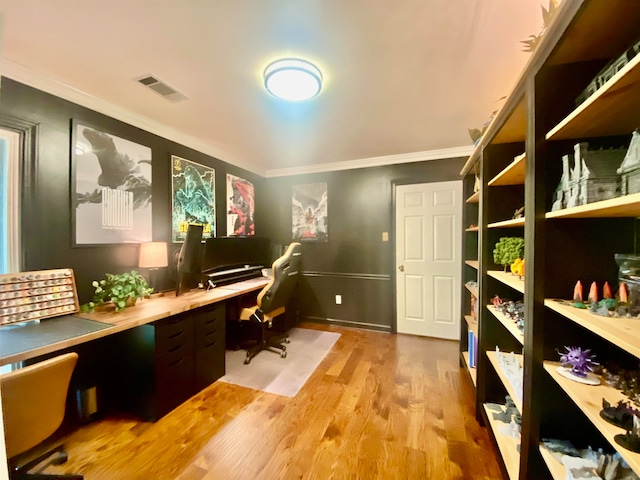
(36, 295)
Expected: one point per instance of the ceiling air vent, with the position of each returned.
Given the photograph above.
(161, 88)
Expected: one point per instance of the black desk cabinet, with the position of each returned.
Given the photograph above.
(166, 362)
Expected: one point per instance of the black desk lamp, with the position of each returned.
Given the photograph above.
(153, 255)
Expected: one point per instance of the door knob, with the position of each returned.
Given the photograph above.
(401, 268)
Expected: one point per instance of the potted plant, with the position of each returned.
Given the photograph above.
(122, 290)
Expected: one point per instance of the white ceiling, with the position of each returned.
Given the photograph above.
(401, 76)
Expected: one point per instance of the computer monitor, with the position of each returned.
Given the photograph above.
(189, 259)
(222, 253)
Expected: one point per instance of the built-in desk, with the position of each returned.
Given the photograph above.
(146, 311)
(163, 350)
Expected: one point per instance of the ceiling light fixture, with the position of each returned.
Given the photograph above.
(293, 79)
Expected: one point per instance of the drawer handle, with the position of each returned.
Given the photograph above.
(208, 345)
(177, 334)
(176, 362)
(212, 332)
(209, 321)
(175, 349)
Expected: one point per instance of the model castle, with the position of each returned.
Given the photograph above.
(596, 175)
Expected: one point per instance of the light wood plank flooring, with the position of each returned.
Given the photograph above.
(379, 406)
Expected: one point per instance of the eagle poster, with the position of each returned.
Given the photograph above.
(240, 206)
(111, 182)
(310, 220)
(193, 198)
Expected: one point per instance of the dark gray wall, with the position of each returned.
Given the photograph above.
(355, 262)
(46, 236)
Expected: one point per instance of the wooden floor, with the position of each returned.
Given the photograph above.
(379, 406)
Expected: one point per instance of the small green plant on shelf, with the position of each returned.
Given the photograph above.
(508, 250)
(122, 290)
(532, 42)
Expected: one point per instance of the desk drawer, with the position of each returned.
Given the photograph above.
(209, 346)
(173, 337)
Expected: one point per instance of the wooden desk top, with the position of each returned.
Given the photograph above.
(144, 312)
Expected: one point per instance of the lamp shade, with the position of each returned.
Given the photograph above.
(153, 255)
(293, 79)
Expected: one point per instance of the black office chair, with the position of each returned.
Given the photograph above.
(272, 301)
(33, 402)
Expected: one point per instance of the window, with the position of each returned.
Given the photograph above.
(9, 201)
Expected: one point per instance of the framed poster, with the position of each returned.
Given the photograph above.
(111, 188)
(240, 206)
(310, 221)
(193, 198)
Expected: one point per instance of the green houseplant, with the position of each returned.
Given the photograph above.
(121, 289)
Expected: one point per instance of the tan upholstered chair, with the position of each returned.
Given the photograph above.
(272, 301)
(33, 402)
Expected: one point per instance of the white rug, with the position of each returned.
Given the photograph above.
(283, 376)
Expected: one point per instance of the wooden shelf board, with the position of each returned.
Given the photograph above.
(514, 128)
(474, 291)
(556, 468)
(514, 174)
(473, 263)
(622, 332)
(508, 446)
(493, 358)
(516, 222)
(508, 323)
(625, 206)
(472, 160)
(472, 371)
(508, 279)
(472, 229)
(589, 399)
(611, 110)
(475, 198)
(586, 40)
(472, 324)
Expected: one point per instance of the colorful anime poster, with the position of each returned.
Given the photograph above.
(193, 198)
(310, 220)
(240, 206)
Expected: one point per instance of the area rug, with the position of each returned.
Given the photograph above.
(283, 376)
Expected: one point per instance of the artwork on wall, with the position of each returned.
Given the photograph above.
(310, 221)
(193, 198)
(111, 188)
(240, 206)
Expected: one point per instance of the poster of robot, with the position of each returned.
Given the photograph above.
(193, 198)
(310, 221)
(111, 188)
(240, 206)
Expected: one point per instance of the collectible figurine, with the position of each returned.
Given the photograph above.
(581, 361)
(620, 415)
(577, 296)
(593, 293)
(606, 291)
(630, 440)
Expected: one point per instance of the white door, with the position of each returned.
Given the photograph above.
(428, 258)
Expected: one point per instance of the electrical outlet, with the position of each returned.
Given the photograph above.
(385, 236)
(338, 299)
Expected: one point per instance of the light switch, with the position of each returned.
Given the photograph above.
(385, 236)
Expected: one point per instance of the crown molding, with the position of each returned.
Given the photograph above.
(427, 155)
(60, 89)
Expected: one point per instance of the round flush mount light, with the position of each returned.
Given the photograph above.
(293, 79)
